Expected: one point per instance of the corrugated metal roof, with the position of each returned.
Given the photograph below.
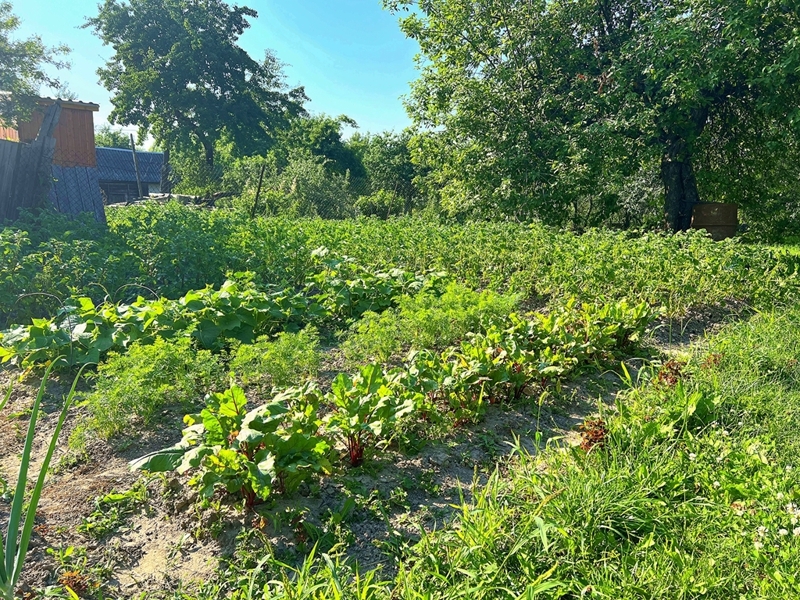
(116, 164)
(69, 103)
(47, 101)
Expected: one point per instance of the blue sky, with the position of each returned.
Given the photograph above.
(350, 55)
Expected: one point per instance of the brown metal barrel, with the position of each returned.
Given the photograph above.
(719, 219)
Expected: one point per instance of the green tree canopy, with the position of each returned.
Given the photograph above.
(178, 73)
(551, 108)
(387, 162)
(320, 135)
(107, 137)
(23, 67)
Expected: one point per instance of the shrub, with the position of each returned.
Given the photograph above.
(289, 358)
(381, 204)
(132, 388)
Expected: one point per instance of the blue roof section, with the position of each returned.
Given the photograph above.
(116, 164)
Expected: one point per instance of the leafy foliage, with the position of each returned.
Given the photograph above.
(425, 320)
(178, 73)
(344, 288)
(172, 249)
(521, 355)
(390, 171)
(551, 109)
(132, 389)
(24, 67)
(81, 333)
(320, 136)
(107, 137)
(271, 448)
(365, 408)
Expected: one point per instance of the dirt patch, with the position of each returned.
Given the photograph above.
(157, 553)
(670, 335)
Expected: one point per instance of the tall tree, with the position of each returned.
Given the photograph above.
(387, 162)
(538, 102)
(178, 73)
(321, 135)
(106, 137)
(23, 67)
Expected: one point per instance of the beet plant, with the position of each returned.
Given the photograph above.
(366, 408)
(271, 448)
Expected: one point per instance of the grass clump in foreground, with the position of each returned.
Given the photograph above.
(689, 490)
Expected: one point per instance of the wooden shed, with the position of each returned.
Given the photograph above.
(74, 133)
(75, 186)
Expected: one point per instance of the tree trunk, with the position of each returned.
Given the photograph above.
(680, 186)
(208, 149)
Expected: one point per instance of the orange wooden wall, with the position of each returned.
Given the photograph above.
(74, 134)
(9, 133)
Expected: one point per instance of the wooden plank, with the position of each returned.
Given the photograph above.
(87, 153)
(34, 171)
(136, 168)
(50, 122)
(9, 133)
(9, 156)
(75, 135)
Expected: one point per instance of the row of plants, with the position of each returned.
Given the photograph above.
(173, 249)
(689, 489)
(133, 387)
(276, 445)
(82, 332)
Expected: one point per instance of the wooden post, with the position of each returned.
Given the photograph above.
(258, 191)
(9, 158)
(136, 166)
(166, 177)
